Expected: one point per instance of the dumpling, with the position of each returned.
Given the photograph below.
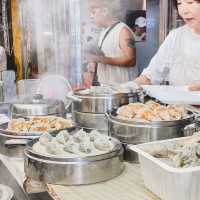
(85, 147)
(163, 113)
(181, 109)
(146, 115)
(136, 107)
(81, 136)
(103, 144)
(188, 154)
(63, 136)
(39, 148)
(55, 148)
(125, 112)
(94, 135)
(175, 115)
(45, 138)
(71, 147)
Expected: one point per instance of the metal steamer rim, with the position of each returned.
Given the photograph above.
(113, 116)
(116, 150)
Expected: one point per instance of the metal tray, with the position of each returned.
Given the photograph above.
(3, 130)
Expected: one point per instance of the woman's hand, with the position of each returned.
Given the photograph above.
(91, 67)
(194, 87)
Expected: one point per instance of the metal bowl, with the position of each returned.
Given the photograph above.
(37, 106)
(91, 120)
(74, 170)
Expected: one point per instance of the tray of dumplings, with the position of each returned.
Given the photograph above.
(151, 111)
(73, 158)
(75, 144)
(35, 125)
(177, 164)
(140, 123)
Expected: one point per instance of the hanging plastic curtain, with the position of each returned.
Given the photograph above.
(51, 38)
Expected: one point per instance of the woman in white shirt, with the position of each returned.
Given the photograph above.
(178, 58)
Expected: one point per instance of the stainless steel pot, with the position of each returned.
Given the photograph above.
(74, 171)
(91, 120)
(37, 106)
(100, 103)
(140, 132)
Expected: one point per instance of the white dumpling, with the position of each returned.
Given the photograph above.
(94, 135)
(39, 148)
(71, 146)
(45, 138)
(55, 148)
(63, 136)
(103, 144)
(81, 136)
(85, 147)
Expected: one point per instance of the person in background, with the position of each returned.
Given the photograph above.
(140, 29)
(116, 60)
(177, 59)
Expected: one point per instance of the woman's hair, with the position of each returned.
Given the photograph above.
(175, 2)
(112, 6)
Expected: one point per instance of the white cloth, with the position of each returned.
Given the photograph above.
(177, 60)
(109, 74)
(3, 59)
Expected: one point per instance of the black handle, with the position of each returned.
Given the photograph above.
(95, 81)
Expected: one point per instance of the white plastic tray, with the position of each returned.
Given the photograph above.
(173, 94)
(167, 182)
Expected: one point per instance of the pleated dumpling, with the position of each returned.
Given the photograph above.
(163, 113)
(81, 136)
(86, 147)
(125, 112)
(103, 144)
(45, 138)
(55, 148)
(63, 136)
(71, 147)
(94, 135)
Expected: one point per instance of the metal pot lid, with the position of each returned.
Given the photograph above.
(55, 86)
(101, 91)
(37, 105)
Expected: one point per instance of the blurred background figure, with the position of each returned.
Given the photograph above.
(116, 57)
(140, 29)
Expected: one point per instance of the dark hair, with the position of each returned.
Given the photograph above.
(175, 2)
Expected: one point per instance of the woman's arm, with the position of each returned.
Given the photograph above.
(194, 87)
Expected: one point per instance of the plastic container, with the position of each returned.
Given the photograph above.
(167, 182)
